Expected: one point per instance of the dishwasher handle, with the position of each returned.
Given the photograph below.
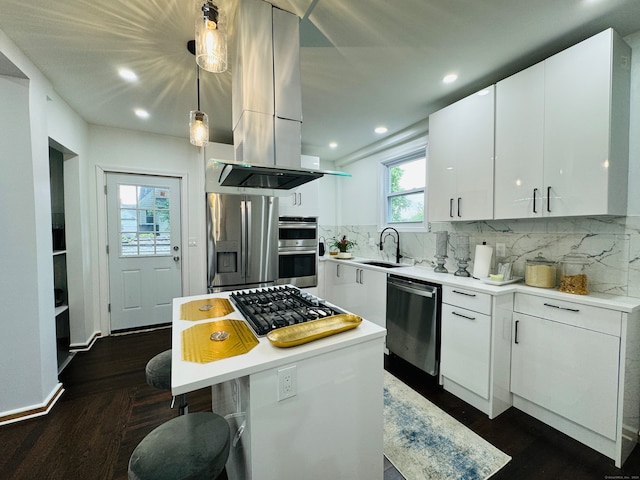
(410, 287)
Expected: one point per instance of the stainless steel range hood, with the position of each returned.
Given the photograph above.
(267, 111)
(237, 174)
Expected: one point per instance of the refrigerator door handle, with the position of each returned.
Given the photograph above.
(243, 238)
(248, 237)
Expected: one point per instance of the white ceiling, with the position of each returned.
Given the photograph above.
(363, 63)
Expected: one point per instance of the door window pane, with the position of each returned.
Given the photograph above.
(144, 220)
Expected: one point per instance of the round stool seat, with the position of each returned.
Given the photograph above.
(158, 371)
(193, 446)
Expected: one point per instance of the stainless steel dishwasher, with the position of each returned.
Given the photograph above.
(413, 321)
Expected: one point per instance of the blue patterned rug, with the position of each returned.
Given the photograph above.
(423, 442)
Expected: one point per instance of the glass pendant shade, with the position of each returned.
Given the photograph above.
(198, 128)
(211, 39)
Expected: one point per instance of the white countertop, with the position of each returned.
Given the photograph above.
(189, 376)
(616, 302)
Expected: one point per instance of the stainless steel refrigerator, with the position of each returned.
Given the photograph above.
(242, 241)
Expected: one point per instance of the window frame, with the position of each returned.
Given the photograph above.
(386, 195)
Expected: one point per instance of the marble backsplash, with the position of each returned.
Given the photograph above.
(611, 245)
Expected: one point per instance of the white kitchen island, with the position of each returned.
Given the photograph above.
(331, 427)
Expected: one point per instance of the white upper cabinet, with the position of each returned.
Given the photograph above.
(562, 133)
(303, 201)
(461, 159)
(519, 144)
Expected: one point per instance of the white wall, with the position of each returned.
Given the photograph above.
(28, 364)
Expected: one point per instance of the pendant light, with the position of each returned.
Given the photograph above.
(198, 121)
(211, 39)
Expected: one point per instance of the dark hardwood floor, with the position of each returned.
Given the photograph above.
(107, 408)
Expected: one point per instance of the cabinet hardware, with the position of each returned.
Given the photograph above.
(300, 199)
(459, 198)
(535, 191)
(515, 339)
(451, 207)
(464, 293)
(337, 270)
(548, 199)
(561, 308)
(463, 316)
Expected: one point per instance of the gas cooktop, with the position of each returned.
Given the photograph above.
(266, 309)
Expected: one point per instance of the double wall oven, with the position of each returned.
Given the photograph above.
(298, 251)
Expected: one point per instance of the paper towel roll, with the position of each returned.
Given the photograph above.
(482, 261)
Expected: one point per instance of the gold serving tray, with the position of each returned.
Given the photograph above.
(308, 332)
(207, 342)
(207, 308)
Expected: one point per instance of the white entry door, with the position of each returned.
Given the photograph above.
(143, 224)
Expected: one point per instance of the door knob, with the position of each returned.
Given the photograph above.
(176, 259)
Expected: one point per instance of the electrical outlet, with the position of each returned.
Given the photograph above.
(501, 250)
(287, 383)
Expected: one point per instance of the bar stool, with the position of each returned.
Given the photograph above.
(188, 447)
(158, 373)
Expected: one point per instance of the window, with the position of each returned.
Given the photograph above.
(404, 189)
(144, 220)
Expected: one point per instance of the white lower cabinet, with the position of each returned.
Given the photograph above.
(361, 291)
(466, 339)
(474, 348)
(569, 369)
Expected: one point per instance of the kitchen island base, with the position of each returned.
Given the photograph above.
(331, 428)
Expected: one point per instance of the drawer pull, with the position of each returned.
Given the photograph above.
(464, 293)
(463, 316)
(561, 308)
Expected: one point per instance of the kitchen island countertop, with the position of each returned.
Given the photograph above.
(189, 376)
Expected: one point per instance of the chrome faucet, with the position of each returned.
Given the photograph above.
(397, 239)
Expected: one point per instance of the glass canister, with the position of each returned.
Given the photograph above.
(540, 272)
(573, 276)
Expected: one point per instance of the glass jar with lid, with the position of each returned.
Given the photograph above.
(573, 276)
(540, 272)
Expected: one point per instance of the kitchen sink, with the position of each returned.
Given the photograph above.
(381, 264)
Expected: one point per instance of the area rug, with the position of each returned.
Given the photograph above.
(423, 442)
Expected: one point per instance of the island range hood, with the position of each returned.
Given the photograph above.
(266, 101)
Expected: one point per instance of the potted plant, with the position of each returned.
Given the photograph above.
(343, 245)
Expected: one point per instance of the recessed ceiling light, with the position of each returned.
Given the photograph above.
(380, 129)
(333, 145)
(128, 75)
(142, 113)
(452, 77)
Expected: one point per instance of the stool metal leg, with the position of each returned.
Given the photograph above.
(183, 407)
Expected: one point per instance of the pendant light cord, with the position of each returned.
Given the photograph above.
(198, 84)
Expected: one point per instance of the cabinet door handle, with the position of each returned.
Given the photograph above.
(337, 270)
(463, 316)
(459, 198)
(451, 207)
(300, 199)
(516, 334)
(464, 293)
(548, 199)
(359, 276)
(535, 191)
(561, 308)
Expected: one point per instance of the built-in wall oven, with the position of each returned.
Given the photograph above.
(298, 251)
